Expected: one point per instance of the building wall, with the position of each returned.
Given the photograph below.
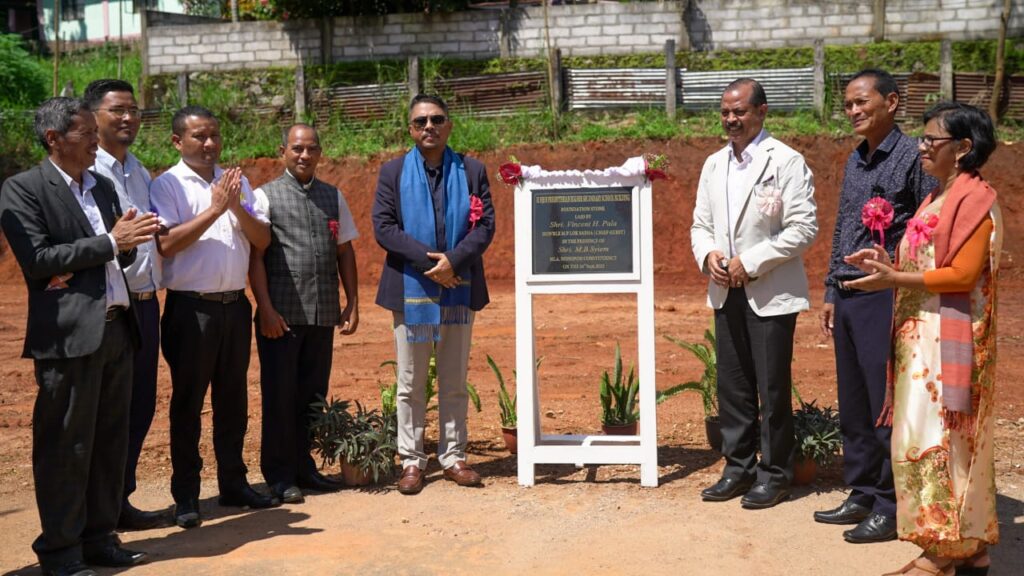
(578, 30)
(105, 20)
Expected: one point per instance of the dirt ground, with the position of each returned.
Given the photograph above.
(596, 520)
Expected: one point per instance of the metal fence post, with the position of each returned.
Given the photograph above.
(946, 70)
(300, 92)
(183, 89)
(414, 75)
(671, 92)
(819, 78)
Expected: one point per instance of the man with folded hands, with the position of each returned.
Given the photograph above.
(209, 216)
(296, 282)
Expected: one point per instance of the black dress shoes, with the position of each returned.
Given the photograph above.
(762, 496)
(247, 498)
(317, 482)
(186, 514)
(847, 513)
(726, 489)
(132, 518)
(113, 556)
(874, 528)
(287, 493)
(75, 568)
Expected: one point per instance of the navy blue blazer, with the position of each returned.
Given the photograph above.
(466, 257)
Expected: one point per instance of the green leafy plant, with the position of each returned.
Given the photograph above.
(430, 389)
(24, 80)
(619, 395)
(707, 386)
(364, 439)
(506, 403)
(817, 431)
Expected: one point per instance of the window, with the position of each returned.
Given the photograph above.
(72, 9)
(138, 5)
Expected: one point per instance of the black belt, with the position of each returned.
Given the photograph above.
(221, 297)
(115, 312)
(142, 296)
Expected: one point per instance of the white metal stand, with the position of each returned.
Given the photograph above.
(535, 448)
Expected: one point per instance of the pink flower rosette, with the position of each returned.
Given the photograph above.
(476, 210)
(877, 217)
(920, 231)
(769, 198)
(333, 226)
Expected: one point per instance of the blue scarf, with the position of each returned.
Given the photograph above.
(426, 304)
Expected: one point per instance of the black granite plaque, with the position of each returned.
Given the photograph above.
(583, 231)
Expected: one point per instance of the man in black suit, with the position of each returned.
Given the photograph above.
(433, 216)
(65, 227)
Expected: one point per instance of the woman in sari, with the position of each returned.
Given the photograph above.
(942, 370)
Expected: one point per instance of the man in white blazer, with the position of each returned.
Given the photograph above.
(755, 216)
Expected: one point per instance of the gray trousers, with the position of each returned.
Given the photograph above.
(453, 401)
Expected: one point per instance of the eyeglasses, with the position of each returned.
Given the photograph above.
(928, 141)
(121, 111)
(420, 122)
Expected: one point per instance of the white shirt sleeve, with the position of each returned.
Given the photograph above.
(161, 199)
(256, 200)
(346, 226)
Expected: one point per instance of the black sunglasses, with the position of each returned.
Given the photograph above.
(420, 122)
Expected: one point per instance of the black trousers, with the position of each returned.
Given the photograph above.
(294, 370)
(862, 331)
(755, 354)
(147, 313)
(206, 344)
(79, 443)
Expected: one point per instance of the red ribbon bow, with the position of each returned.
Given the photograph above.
(476, 210)
(877, 216)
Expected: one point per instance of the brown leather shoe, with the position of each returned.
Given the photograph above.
(411, 481)
(462, 474)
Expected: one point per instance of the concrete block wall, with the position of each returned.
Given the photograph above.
(231, 46)
(578, 30)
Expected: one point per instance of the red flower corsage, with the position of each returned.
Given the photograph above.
(333, 226)
(511, 173)
(476, 210)
(655, 166)
(876, 215)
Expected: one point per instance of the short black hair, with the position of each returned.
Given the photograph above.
(885, 83)
(430, 99)
(57, 114)
(97, 89)
(966, 121)
(178, 120)
(757, 95)
(288, 131)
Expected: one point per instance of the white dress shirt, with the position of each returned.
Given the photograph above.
(219, 260)
(117, 290)
(735, 187)
(347, 231)
(131, 181)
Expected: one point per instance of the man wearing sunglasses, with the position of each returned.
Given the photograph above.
(433, 216)
(885, 165)
(118, 121)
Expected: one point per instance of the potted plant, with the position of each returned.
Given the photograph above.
(507, 404)
(707, 386)
(818, 439)
(619, 414)
(362, 442)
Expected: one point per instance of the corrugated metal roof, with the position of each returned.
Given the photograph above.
(494, 94)
(786, 88)
(616, 88)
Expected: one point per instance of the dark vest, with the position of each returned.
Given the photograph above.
(302, 259)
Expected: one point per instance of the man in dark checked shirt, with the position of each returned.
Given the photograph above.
(886, 164)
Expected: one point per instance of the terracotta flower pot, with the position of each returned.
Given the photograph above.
(511, 436)
(623, 430)
(805, 470)
(713, 431)
(354, 476)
